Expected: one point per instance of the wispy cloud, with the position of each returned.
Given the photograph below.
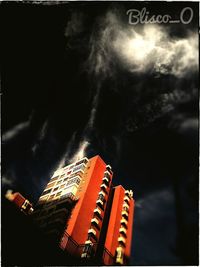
(15, 131)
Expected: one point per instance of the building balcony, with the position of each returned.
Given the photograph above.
(119, 260)
(129, 193)
(100, 202)
(109, 169)
(107, 174)
(125, 205)
(88, 242)
(84, 160)
(92, 232)
(102, 193)
(123, 231)
(124, 222)
(127, 199)
(122, 240)
(104, 187)
(78, 168)
(106, 180)
(119, 256)
(97, 211)
(125, 214)
(95, 221)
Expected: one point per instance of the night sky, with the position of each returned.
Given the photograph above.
(78, 79)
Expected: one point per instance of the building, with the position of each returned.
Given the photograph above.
(89, 218)
(19, 201)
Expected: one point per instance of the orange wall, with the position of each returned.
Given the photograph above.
(114, 222)
(80, 220)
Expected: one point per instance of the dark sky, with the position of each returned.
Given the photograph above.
(77, 76)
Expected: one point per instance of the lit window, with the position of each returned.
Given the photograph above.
(51, 196)
(59, 182)
(62, 186)
(119, 255)
(59, 193)
(46, 192)
(101, 197)
(76, 180)
(56, 188)
(126, 209)
(54, 178)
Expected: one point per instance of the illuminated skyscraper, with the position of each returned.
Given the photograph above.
(89, 218)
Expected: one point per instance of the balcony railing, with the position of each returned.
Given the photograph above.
(107, 174)
(125, 205)
(83, 251)
(127, 199)
(125, 214)
(102, 193)
(95, 221)
(106, 180)
(122, 240)
(79, 168)
(123, 231)
(100, 203)
(124, 222)
(104, 187)
(92, 231)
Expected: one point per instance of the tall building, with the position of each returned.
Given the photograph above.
(89, 218)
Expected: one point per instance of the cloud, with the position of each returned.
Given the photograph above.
(81, 152)
(17, 129)
(40, 136)
(153, 49)
(148, 48)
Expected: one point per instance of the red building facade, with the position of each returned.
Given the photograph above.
(86, 215)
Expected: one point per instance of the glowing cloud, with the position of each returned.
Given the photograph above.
(81, 151)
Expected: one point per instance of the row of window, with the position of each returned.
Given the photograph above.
(76, 180)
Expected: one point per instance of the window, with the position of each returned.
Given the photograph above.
(101, 197)
(71, 167)
(125, 208)
(52, 196)
(59, 182)
(50, 185)
(46, 192)
(56, 188)
(62, 186)
(107, 174)
(78, 168)
(59, 193)
(85, 160)
(76, 180)
(53, 179)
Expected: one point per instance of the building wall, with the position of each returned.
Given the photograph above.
(113, 233)
(84, 198)
(82, 214)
